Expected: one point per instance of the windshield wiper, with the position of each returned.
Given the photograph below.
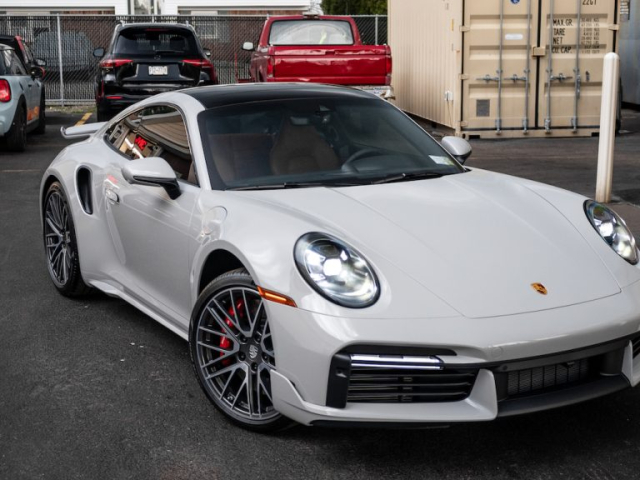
(401, 177)
(281, 186)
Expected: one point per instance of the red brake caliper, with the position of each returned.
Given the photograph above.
(225, 343)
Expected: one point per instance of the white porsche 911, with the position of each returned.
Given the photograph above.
(330, 263)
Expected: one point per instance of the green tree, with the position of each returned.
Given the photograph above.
(355, 7)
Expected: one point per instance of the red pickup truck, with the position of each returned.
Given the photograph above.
(321, 49)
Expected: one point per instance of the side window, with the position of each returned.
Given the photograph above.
(28, 54)
(5, 59)
(157, 131)
(122, 136)
(16, 67)
(163, 132)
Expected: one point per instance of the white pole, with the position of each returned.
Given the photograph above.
(610, 79)
(60, 62)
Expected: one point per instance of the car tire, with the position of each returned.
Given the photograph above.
(42, 118)
(61, 244)
(17, 136)
(238, 382)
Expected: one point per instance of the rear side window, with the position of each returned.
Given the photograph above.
(11, 64)
(311, 32)
(154, 41)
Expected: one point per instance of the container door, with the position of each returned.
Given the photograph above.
(500, 72)
(574, 36)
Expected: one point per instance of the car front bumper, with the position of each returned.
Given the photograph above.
(520, 363)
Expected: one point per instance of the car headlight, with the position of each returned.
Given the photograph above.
(613, 230)
(336, 270)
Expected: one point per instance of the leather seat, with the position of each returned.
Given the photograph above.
(300, 149)
(241, 155)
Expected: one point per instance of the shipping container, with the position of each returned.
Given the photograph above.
(630, 51)
(509, 68)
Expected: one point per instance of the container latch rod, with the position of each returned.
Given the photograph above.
(560, 77)
(515, 78)
(488, 78)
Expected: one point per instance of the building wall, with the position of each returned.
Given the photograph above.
(24, 7)
(173, 7)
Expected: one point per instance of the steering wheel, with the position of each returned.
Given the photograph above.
(347, 165)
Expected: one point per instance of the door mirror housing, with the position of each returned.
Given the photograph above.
(152, 172)
(98, 52)
(248, 46)
(458, 147)
(36, 72)
(207, 52)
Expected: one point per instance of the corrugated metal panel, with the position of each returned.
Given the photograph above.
(630, 51)
(514, 67)
(426, 46)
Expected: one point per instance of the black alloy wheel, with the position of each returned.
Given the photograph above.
(61, 244)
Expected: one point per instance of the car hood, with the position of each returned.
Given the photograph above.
(478, 241)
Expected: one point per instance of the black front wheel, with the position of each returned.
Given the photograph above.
(61, 244)
(232, 352)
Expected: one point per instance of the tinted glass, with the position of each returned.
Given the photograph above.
(13, 65)
(311, 32)
(320, 142)
(157, 131)
(152, 41)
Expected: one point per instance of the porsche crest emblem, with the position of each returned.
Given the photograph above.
(538, 287)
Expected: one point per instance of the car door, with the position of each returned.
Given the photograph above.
(150, 230)
(27, 85)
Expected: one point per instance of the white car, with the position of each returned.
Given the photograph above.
(330, 263)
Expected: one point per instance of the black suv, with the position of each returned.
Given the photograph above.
(149, 58)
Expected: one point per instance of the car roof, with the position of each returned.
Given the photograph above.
(222, 95)
(126, 26)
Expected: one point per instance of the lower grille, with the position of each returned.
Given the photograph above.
(636, 346)
(534, 380)
(385, 380)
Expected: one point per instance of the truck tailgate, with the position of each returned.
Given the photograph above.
(345, 65)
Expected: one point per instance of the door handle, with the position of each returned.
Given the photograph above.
(112, 196)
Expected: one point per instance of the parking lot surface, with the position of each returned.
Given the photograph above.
(94, 389)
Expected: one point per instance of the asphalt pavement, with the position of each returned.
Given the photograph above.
(94, 389)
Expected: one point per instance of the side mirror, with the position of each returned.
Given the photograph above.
(248, 46)
(36, 72)
(98, 52)
(152, 172)
(40, 62)
(457, 147)
(207, 52)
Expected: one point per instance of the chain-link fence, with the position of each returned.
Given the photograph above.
(66, 44)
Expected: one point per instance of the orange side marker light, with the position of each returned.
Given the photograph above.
(276, 297)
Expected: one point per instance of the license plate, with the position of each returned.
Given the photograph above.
(158, 70)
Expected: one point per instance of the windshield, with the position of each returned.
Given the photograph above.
(310, 142)
(311, 32)
(149, 41)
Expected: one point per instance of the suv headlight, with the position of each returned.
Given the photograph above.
(613, 230)
(336, 270)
